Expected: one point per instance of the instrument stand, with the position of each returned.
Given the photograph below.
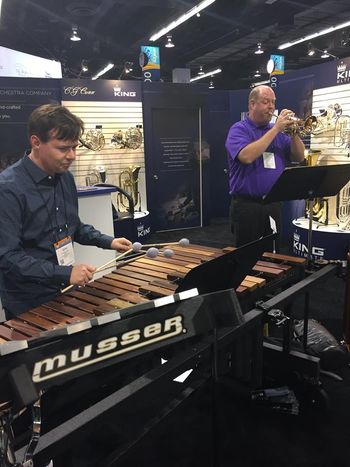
(7, 439)
(7, 452)
(309, 235)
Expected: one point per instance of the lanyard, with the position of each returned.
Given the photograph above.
(55, 230)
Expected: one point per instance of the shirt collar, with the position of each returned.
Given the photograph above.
(259, 127)
(37, 174)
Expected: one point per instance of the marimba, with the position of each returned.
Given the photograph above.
(120, 316)
(139, 281)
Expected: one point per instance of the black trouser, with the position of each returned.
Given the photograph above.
(250, 219)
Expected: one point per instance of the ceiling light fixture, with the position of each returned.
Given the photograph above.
(210, 73)
(201, 72)
(259, 49)
(258, 83)
(310, 50)
(345, 40)
(128, 67)
(286, 45)
(169, 43)
(84, 66)
(211, 85)
(181, 19)
(257, 74)
(103, 71)
(75, 37)
(324, 53)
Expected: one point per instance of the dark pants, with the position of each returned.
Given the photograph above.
(250, 219)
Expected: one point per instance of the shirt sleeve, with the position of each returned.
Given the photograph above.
(87, 235)
(14, 260)
(238, 138)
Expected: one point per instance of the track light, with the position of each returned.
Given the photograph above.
(103, 71)
(128, 67)
(201, 72)
(84, 66)
(211, 85)
(345, 40)
(169, 43)
(323, 53)
(75, 37)
(210, 73)
(181, 19)
(310, 50)
(259, 49)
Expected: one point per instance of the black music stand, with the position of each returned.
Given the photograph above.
(308, 183)
(226, 271)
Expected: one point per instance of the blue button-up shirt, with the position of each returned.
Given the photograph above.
(37, 210)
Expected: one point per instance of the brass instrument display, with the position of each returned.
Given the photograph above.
(320, 206)
(128, 181)
(327, 119)
(343, 207)
(342, 132)
(94, 139)
(131, 139)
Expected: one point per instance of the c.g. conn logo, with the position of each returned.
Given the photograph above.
(74, 90)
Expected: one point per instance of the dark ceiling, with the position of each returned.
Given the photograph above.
(225, 35)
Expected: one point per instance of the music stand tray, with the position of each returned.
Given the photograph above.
(226, 271)
(309, 182)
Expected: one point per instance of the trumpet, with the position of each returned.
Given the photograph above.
(301, 127)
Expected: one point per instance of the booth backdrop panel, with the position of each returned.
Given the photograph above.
(177, 165)
(173, 111)
(217, 122)
(18, 98)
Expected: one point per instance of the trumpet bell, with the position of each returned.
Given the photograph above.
(302, 127)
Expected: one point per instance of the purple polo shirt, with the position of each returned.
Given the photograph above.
(254, 179)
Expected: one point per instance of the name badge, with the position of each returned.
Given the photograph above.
(269, 160)
(65, 252)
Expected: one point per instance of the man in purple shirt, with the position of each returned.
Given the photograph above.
(258, 151)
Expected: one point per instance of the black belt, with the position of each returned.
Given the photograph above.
(248, 198)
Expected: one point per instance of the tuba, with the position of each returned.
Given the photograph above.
(128, 181)
(343, 207)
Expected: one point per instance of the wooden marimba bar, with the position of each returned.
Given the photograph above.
(137, 282)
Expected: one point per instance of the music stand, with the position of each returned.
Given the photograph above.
(226, 271)
(308, 183)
